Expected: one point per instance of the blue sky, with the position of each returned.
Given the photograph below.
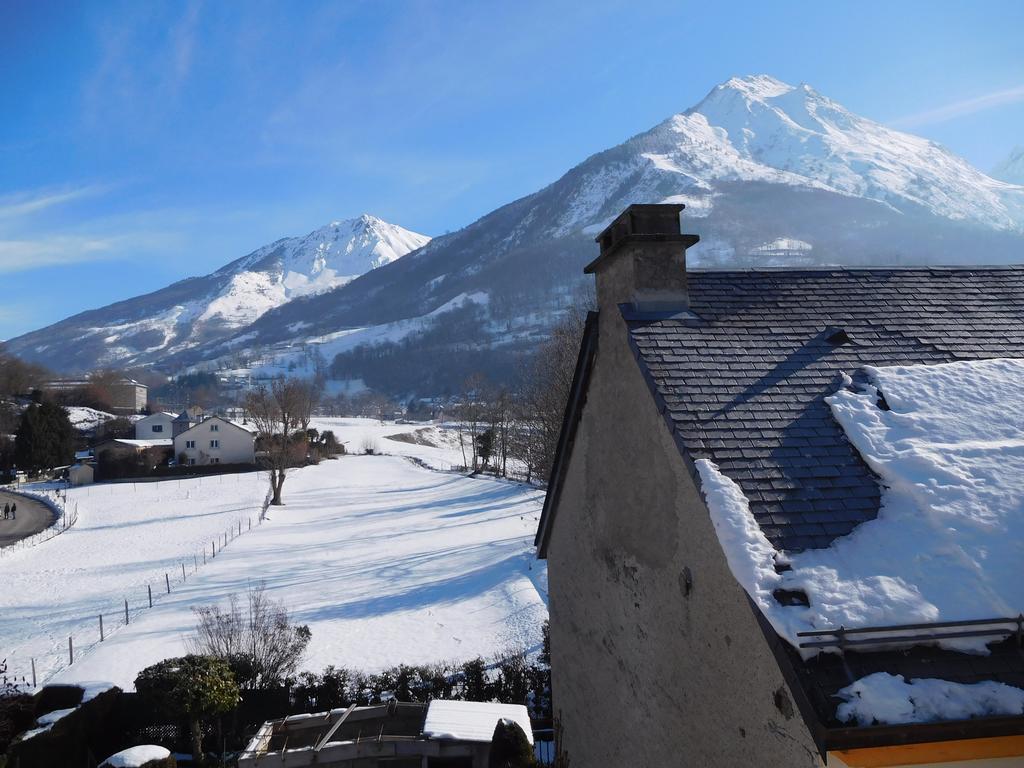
(141, 143)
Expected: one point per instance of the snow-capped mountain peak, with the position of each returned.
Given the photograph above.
(774, 175)
(345, 249)
(759, 128)
(326, 258)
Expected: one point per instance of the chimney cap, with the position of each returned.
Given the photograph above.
(642, 222)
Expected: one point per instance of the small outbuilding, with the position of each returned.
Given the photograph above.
(81, 474)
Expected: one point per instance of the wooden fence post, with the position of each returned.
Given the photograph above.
(167, 580)
(33, 673)
(71, 651)
(126, 610)
(182, 570)
(101, 627)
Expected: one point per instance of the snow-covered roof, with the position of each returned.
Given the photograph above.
(163, 442)
(858, 436)
(136, 756)
(156, 415)
(220, 420)
(472, 720)
(947, 442)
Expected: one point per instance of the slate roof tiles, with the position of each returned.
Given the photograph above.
(744, 383)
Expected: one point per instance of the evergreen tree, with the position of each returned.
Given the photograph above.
(45, 438)
(510, 747)
(196, 688)
(485, 446)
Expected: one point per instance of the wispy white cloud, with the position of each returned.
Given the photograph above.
(26, 203)
(145, 59)
(962, 108)
(182, 43)
(27, 254)
(27, 243)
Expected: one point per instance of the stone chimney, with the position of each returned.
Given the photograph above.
(643, 260)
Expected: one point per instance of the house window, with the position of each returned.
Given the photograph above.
(158, 427)
(215, 460)
(215, 443)
(215, 427)
(191, 462)
(190, 443)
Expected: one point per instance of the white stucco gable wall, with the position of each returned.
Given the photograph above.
(216, 441)
(156, 426)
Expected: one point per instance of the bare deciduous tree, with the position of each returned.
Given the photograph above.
(281, 415)
(262, 646)
(547, 380)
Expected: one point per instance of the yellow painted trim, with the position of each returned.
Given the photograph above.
(932, 752)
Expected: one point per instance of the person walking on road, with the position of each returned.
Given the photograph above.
(7, 511)
(14, 509)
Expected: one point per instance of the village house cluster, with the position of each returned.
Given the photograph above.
(190, 438)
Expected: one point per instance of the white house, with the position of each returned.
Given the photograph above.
(216, 441)
(156, 426)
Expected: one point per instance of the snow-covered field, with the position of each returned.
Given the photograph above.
(387, 562)
(127, 536)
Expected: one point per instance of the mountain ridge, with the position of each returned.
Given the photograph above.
(200, 309)
(771, 175)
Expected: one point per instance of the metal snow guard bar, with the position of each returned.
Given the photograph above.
(841, 636)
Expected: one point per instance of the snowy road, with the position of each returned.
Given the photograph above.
(32, 517)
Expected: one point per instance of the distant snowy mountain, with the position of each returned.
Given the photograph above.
(326, 258)
(202, 310)
(1012, 168)
(771, 175)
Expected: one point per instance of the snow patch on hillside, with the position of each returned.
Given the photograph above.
(949, 538)
(287, 358)
(84, 418)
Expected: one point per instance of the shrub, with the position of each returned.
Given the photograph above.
(509, 747)
(193, 687)
(263, 647)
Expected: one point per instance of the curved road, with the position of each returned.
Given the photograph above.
(32, 517)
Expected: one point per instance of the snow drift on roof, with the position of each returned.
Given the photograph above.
(949, 537)
(136, 756)
(886, 699)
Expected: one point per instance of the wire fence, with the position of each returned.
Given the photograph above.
(56, 499)
(30, 673)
